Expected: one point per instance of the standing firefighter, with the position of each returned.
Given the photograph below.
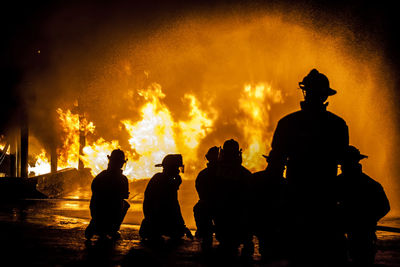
(364, 203)
(107, 205)
(162, 213)
(203, 210)
(311, 142)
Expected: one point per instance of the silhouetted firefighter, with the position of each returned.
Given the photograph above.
(203, 210)
(231, 203)
(107, 205)
(311, 142)
(162, 213)
(268, 207)
(363, 203)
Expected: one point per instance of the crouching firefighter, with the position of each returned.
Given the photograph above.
(162, 213)
(108, 206)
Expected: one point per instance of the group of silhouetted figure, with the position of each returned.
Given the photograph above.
(299, 208)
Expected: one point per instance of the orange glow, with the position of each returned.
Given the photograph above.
(95, 155)
(152, 137)
(68, 154)
(157, 134)
(222, 77)
(197, 127)
(255, 102)
(2, 146)
(42, 165)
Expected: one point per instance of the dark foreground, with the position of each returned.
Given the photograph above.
(54, 237)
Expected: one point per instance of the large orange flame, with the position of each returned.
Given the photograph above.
(157, 134)
(154, 136)
(42, 164)
(255, 103)
(68, 154)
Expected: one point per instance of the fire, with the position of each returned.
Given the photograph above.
(4, 145)
(42, 164)
(68, 154)
(202, 57)
(157, 133)
(95, 155)
(255, 103)
(154, 136)
(198, 126)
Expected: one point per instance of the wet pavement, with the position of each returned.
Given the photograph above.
(51, 233)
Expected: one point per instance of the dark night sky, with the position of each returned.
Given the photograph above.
(22, 21)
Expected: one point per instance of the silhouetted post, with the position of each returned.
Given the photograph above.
(82, 133)
(82, 140)
(53, 158)
(13, 166)
(24, 150)
(24, 145)
(13, 154)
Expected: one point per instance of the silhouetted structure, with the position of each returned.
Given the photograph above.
(268, 213)
(107, 205)
(162, 213)
(204, 208)
(363, 203)
(232, 226)
(310, 142)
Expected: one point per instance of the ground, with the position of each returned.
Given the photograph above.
(45, 233)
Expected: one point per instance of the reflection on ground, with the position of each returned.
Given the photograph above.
(50, 233)
(59, 212)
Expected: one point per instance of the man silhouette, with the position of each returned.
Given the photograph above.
(363, 202)
(231, 203)
(107, 205)
(162, 212)
(267, 219)
(310, 142)
(203, 210)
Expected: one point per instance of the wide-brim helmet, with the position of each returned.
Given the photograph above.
(352, 154)
(213, 154)
(117, 155)
(171, 160)
(316, 83)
